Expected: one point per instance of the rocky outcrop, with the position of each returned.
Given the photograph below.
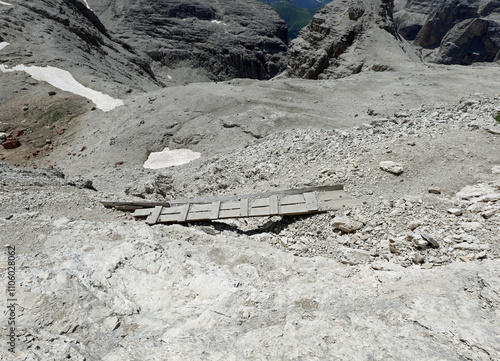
(452, 31)
(66, 34)
(218, 40)
(347, 37)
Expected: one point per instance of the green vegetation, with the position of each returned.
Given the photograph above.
(497, 117)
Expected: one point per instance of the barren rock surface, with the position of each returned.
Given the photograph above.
(200, 40)
(409, 271)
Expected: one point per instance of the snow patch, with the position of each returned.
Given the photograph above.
(169, 158)
(63, 80)
(6, 4)
(218, 22)
(3, 44)
(87, 4)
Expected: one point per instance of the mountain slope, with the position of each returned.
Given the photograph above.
(200, 40)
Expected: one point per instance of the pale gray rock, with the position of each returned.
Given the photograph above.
(391, 167)
(471, 246)
(455, 211)
(429, 238)
(354, 256)
(346, 224)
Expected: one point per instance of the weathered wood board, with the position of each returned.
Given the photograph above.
(291, 202)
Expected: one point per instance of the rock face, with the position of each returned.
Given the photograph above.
(453, 31)
(66, 34)
(347, 37)
(216, 40)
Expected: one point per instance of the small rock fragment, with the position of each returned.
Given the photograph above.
(455, 211)
(52, 93)
(430, 239)
(61, 131)
(472, 246)
(346, 224)
(489, 213)
(11, 144)
(435, 190)
(391, 167)
(420, 242)
(17, 133)
(414, 224)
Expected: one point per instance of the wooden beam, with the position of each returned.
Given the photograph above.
(335, 187)
(311, 201)
(184, 212)
(214, 212)
(244, 207)
(133, 205)
(153, 217)
(273, 205)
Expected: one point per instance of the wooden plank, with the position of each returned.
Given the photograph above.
(260, 195)
(133, 205)
(142, 212)
(153, 217)
(214, 213)
(311, 201)
(184, 212)
(324, 196)
(244, 207)
(336, 204)
(292, 209)
(273, 205)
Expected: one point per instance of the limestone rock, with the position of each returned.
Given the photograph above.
(452, 31)
(391, 167)
(455, 211)
(347, 37)
(346, 224)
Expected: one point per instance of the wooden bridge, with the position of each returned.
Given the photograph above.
(285, 202)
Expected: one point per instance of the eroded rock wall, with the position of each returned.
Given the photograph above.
(220, 39)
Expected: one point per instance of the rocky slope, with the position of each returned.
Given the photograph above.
(69, 36)
(347, 37)
(409, 272)
(199, 40)
(452, 31)
(404, 264)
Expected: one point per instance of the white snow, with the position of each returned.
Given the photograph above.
(218, 22)
(3, 44)
(170, 158)
(4, 3)
(63, 80)
(87, 4)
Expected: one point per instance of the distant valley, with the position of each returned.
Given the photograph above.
(296, 13)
